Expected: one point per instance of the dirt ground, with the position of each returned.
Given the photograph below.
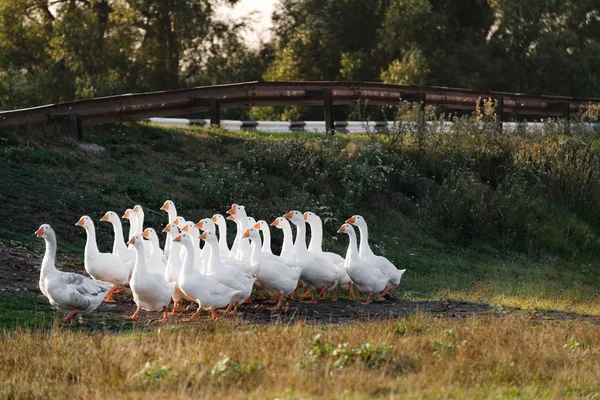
(19, 272)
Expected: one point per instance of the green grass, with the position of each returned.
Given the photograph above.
(17, 310)
(493, 227)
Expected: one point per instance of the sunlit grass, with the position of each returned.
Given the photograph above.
(415, 357)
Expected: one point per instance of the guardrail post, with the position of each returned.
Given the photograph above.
(500, 111)
(72, 120)
(327, 96)
(214, 107)
(565, 107)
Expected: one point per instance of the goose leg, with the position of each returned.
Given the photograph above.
(313, 299)
(323, 295)
(70, 316)
(176, 307)
(368, 299)
(385, 291)
(166, 316)
(214, 315)
(135, 315)
(305, 294)
(260, 295)
(351, 291)
(193, 317)
(109, 295)
(279, 303)
(229, 307)
(335, 294)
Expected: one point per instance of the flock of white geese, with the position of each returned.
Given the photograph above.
(214, 275)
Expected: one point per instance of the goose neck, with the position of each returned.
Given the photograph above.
(91, 246)
(49, 256)
(352, 252)
(214, 259)
(364, 239)
(256, 256)
(300, 244)
(266, 246)
(140, 261)
(316, 237)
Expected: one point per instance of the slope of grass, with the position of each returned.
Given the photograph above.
(416, 357)
(480, 218)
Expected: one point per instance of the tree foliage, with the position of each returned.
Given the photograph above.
(59, 50)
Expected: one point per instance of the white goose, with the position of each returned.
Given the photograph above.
(317, 272)
(274, 276)
(171, 210)
(383, 264)
(67, 291)
(194, 232)
(156, 262)
(139, 229)
(133, 222)
(367, 278)
(227, 275)
(120, 249)
(316, 246)
(102, 266)
(206, 291)
(287, 254)
(174, 267)
(222, 224)
(240, 250)
(151, 292)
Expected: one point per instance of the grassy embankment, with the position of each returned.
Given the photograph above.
(508, 220)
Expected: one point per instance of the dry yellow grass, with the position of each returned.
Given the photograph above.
(481, 357)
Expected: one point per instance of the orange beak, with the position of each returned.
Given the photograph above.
(342, 229)
(80, 222)
(185, 229)
(275, 223)
(40, 232)
(200, 225)
(257, 226)
(289, 215)
(177, 238)
(131, 241)
(167, 228)
(246, 234)
(351, 220)
(104, 218)
(203, 236)
(165, 206)
(145, 233)
(214, 218)
(232, 210)
(231, 218)
(126, 215)
(305, 216)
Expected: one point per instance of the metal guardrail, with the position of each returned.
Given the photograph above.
(130, 107)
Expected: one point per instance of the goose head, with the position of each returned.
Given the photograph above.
(137, 241)
(356, 220)
(296, 217)
(252, 234)
(262, 225)
(128, 214)
(184, 238)
(138, 210)
(172, 229)
(237, 210)
(280, 223)
(346, 228)
(251, 221)
(311, 217)
(167, 205)
(110, 216)
(85, 222)
(209, 237)
(191, 229)
(218, 218)
(206, 224)
(44, 231)
(179, 222)
(150, 234)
